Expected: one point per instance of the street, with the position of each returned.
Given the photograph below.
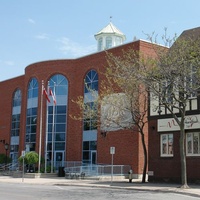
(24, 191)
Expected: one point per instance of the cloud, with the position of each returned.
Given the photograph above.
(74, 49)
(42, 36)
(31, 21)
(8, 62)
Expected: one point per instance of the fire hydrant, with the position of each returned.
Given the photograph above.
(130, 176)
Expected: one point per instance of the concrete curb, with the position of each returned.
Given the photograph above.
(167, 189)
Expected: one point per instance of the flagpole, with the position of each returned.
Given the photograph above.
(46, 138)
(53, 124)
(40, 137)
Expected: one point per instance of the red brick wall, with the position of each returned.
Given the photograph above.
(169, 168)
(7, 88)
(128, 144)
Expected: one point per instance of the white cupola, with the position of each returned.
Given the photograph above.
(109, 37)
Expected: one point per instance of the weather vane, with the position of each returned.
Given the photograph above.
(110, 18)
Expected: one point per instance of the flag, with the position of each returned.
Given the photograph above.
(46, 95)
(53, 96)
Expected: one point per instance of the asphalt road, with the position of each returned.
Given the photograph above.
(23, 191)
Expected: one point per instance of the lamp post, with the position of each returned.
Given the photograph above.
(6, 145)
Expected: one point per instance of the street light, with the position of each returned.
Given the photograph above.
(6, 145)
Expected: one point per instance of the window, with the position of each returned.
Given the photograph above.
(88, 147)
(193, 144)
(31, 115)
(100, 44)
(15, 126)
(166, 144)
(90, 118)
(57, 115)
(108, 42)
(16, 113)
(17, 98)
(191, 82)
(90, 121)
(91, 81)
(118, 40)
(167, 91)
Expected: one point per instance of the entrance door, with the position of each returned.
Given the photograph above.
(93, 157)
(59, 159)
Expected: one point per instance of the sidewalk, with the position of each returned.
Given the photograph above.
(194, 190)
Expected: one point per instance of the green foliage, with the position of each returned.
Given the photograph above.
(3, 159)
(30, 158)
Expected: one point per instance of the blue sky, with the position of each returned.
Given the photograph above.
(38, 30)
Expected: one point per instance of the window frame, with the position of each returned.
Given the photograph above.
(192, 81)
(108, 42)
(162, 154)
(192, 144)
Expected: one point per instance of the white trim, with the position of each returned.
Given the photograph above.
(192, 139)
(167, 142)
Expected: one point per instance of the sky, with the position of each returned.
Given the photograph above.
(38, 30)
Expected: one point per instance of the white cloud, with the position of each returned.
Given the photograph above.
(74, 49)
(42, 36)
(31, 21)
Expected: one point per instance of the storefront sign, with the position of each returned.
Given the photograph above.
(170, 124)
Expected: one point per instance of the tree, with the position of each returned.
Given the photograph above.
(173, 80)
(31, 158)
(124, 98)
(122, 102)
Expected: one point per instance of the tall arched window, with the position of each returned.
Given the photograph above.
(90, 124)
(31, 115)
(57, 114)
(15, 126)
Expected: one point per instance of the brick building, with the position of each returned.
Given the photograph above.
(26, 114)
(164, 149)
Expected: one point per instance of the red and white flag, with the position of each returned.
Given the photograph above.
(53, 96)
(46, 95)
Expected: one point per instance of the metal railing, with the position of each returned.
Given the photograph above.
(100, 170)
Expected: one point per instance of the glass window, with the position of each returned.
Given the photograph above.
(193, 144)
(118, 40)
(60, 128)
(166, 144)
(31, 114)
(191, 85)
(60, 137)
(86, 155)
(167, 91)
(15, 124)
(33, 88)
(93, 145)
(58, 84)
(100, 44)
(60, 118)
(108, 42)
(17, 98)
(59, 146)
(86, 145)
(91, 81)
(90, 121)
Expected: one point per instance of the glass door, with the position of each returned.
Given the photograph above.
(93, 157)
(59, 159)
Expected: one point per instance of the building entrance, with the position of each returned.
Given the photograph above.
(59, 159)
